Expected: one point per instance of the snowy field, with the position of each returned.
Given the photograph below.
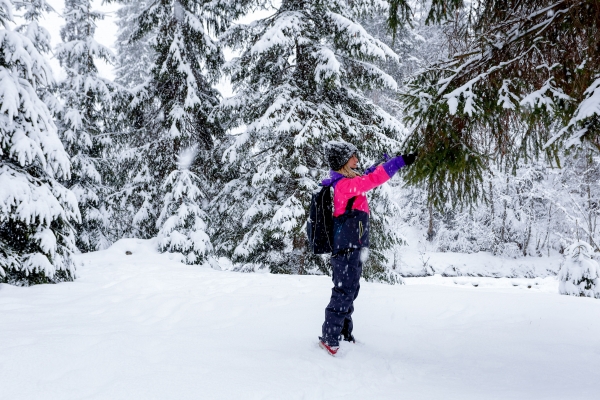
(143, 327)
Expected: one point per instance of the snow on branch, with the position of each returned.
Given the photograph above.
(286, 29)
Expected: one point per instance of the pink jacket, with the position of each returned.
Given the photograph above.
(346, 188)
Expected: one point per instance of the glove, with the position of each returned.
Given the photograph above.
(409, 158)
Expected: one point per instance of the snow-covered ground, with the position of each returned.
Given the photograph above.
(143, 327)
(419, 257)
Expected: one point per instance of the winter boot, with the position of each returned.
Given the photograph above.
(346, 334)
(349, 338)
(332, 350)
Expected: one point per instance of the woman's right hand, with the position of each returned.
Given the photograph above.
(409, 158)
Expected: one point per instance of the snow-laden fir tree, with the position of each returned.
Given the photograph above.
(182, 220)
(36, 236)
(417, 44)
(32, 12)
(171, 112)
(574, 195)
(299, 83)
(134, 57)
(580, 273)
(82, 121)
(130, 201)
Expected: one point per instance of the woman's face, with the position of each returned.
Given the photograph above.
(353, 161)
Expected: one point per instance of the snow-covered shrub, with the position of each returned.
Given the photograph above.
(464, 232)
(580, 274)
(182, 221)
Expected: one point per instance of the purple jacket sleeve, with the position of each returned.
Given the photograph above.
(392, 166)
(373, 167)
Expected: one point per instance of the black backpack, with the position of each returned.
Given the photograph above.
(319, 226)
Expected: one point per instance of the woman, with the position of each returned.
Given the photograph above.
(351, 233)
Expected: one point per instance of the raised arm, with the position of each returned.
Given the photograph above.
(369, 181)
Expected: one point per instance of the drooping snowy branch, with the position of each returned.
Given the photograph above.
(36, 211)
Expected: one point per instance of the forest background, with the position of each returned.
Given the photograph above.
(201, 124)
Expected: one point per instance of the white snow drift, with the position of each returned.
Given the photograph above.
(143, 327)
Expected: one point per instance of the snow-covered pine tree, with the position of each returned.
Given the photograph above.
(36, 237)
(574, 197)
(172, 110)
(417, 45)
(134, 57)
(33, 11)
(132, 211)
(82, 121)
(299, 83)
(580, 274)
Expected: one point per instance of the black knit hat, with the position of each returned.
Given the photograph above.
(338, 153)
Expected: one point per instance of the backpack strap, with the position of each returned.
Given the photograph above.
(350, 204)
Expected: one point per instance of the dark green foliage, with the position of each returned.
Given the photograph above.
(511, 91)
(400, 12)
(449, 162)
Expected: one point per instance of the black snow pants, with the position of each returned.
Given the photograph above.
(347, 268)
